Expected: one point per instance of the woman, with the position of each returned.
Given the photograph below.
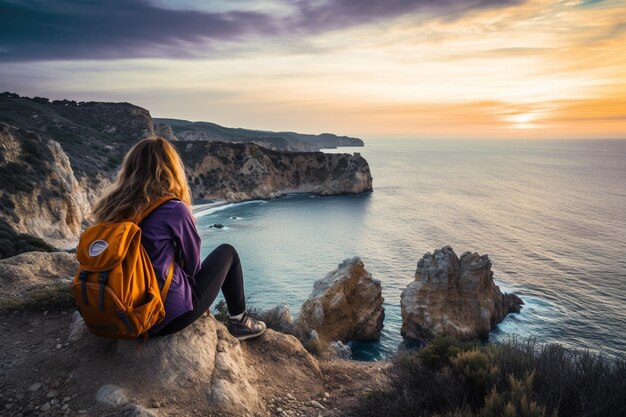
(153, 169)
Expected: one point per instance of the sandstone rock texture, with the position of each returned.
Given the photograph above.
(39, 193)
(454, 296)
(237, 172)
(205, 358)
(345, 305)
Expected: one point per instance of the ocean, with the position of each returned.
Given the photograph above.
(550, 214)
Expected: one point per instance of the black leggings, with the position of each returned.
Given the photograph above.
(221, 269)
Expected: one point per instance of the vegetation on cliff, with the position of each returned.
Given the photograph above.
(519, 378)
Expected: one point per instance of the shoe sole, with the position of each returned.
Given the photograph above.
(250, 336)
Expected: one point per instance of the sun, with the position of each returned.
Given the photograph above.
(523, 121)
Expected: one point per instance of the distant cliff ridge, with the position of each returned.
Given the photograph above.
(205, 131)
(57, 157)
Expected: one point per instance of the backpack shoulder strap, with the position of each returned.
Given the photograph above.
(153, 206)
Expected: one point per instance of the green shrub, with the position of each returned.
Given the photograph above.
(439, 351)
(515, 378)
(479, 373)
(516, 401)
(221, 311)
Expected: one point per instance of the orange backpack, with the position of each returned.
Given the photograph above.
(115, 287)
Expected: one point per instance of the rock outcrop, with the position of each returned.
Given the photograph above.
(202, 366)
(278, 318)
(454, 296)
(37, 280)
(165, 131)
(237, 172)
(347, 304)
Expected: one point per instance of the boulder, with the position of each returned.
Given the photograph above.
(277, 318)
(202, 357)
(454, 296)
(337, 350)
(345, 305)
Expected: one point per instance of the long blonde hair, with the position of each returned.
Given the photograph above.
(151, 169)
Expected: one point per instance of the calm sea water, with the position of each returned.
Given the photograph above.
(551, 215)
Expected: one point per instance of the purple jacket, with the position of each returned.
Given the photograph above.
(171, 229)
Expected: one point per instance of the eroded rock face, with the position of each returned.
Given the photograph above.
(454, 296)
(238, 172)
(39, 193)
(345, 305)
(165, 131)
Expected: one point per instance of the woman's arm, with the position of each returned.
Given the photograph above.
(188, 240)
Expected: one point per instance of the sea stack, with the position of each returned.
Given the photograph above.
(454, 296)
(347, 304)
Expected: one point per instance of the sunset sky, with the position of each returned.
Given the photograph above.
(372, 69)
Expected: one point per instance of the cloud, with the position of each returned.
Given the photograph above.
(109, 29)
(103, 29)
(328, 15)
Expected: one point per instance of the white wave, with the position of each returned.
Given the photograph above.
(206, 209)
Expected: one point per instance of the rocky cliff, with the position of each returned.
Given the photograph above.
(238, 172)
(58, 156)
(454, 296)
(39, 193)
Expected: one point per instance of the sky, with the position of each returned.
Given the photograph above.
(462, 69)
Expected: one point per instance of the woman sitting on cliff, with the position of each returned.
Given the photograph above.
(153, 169)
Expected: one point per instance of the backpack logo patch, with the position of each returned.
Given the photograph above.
(97, 247)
